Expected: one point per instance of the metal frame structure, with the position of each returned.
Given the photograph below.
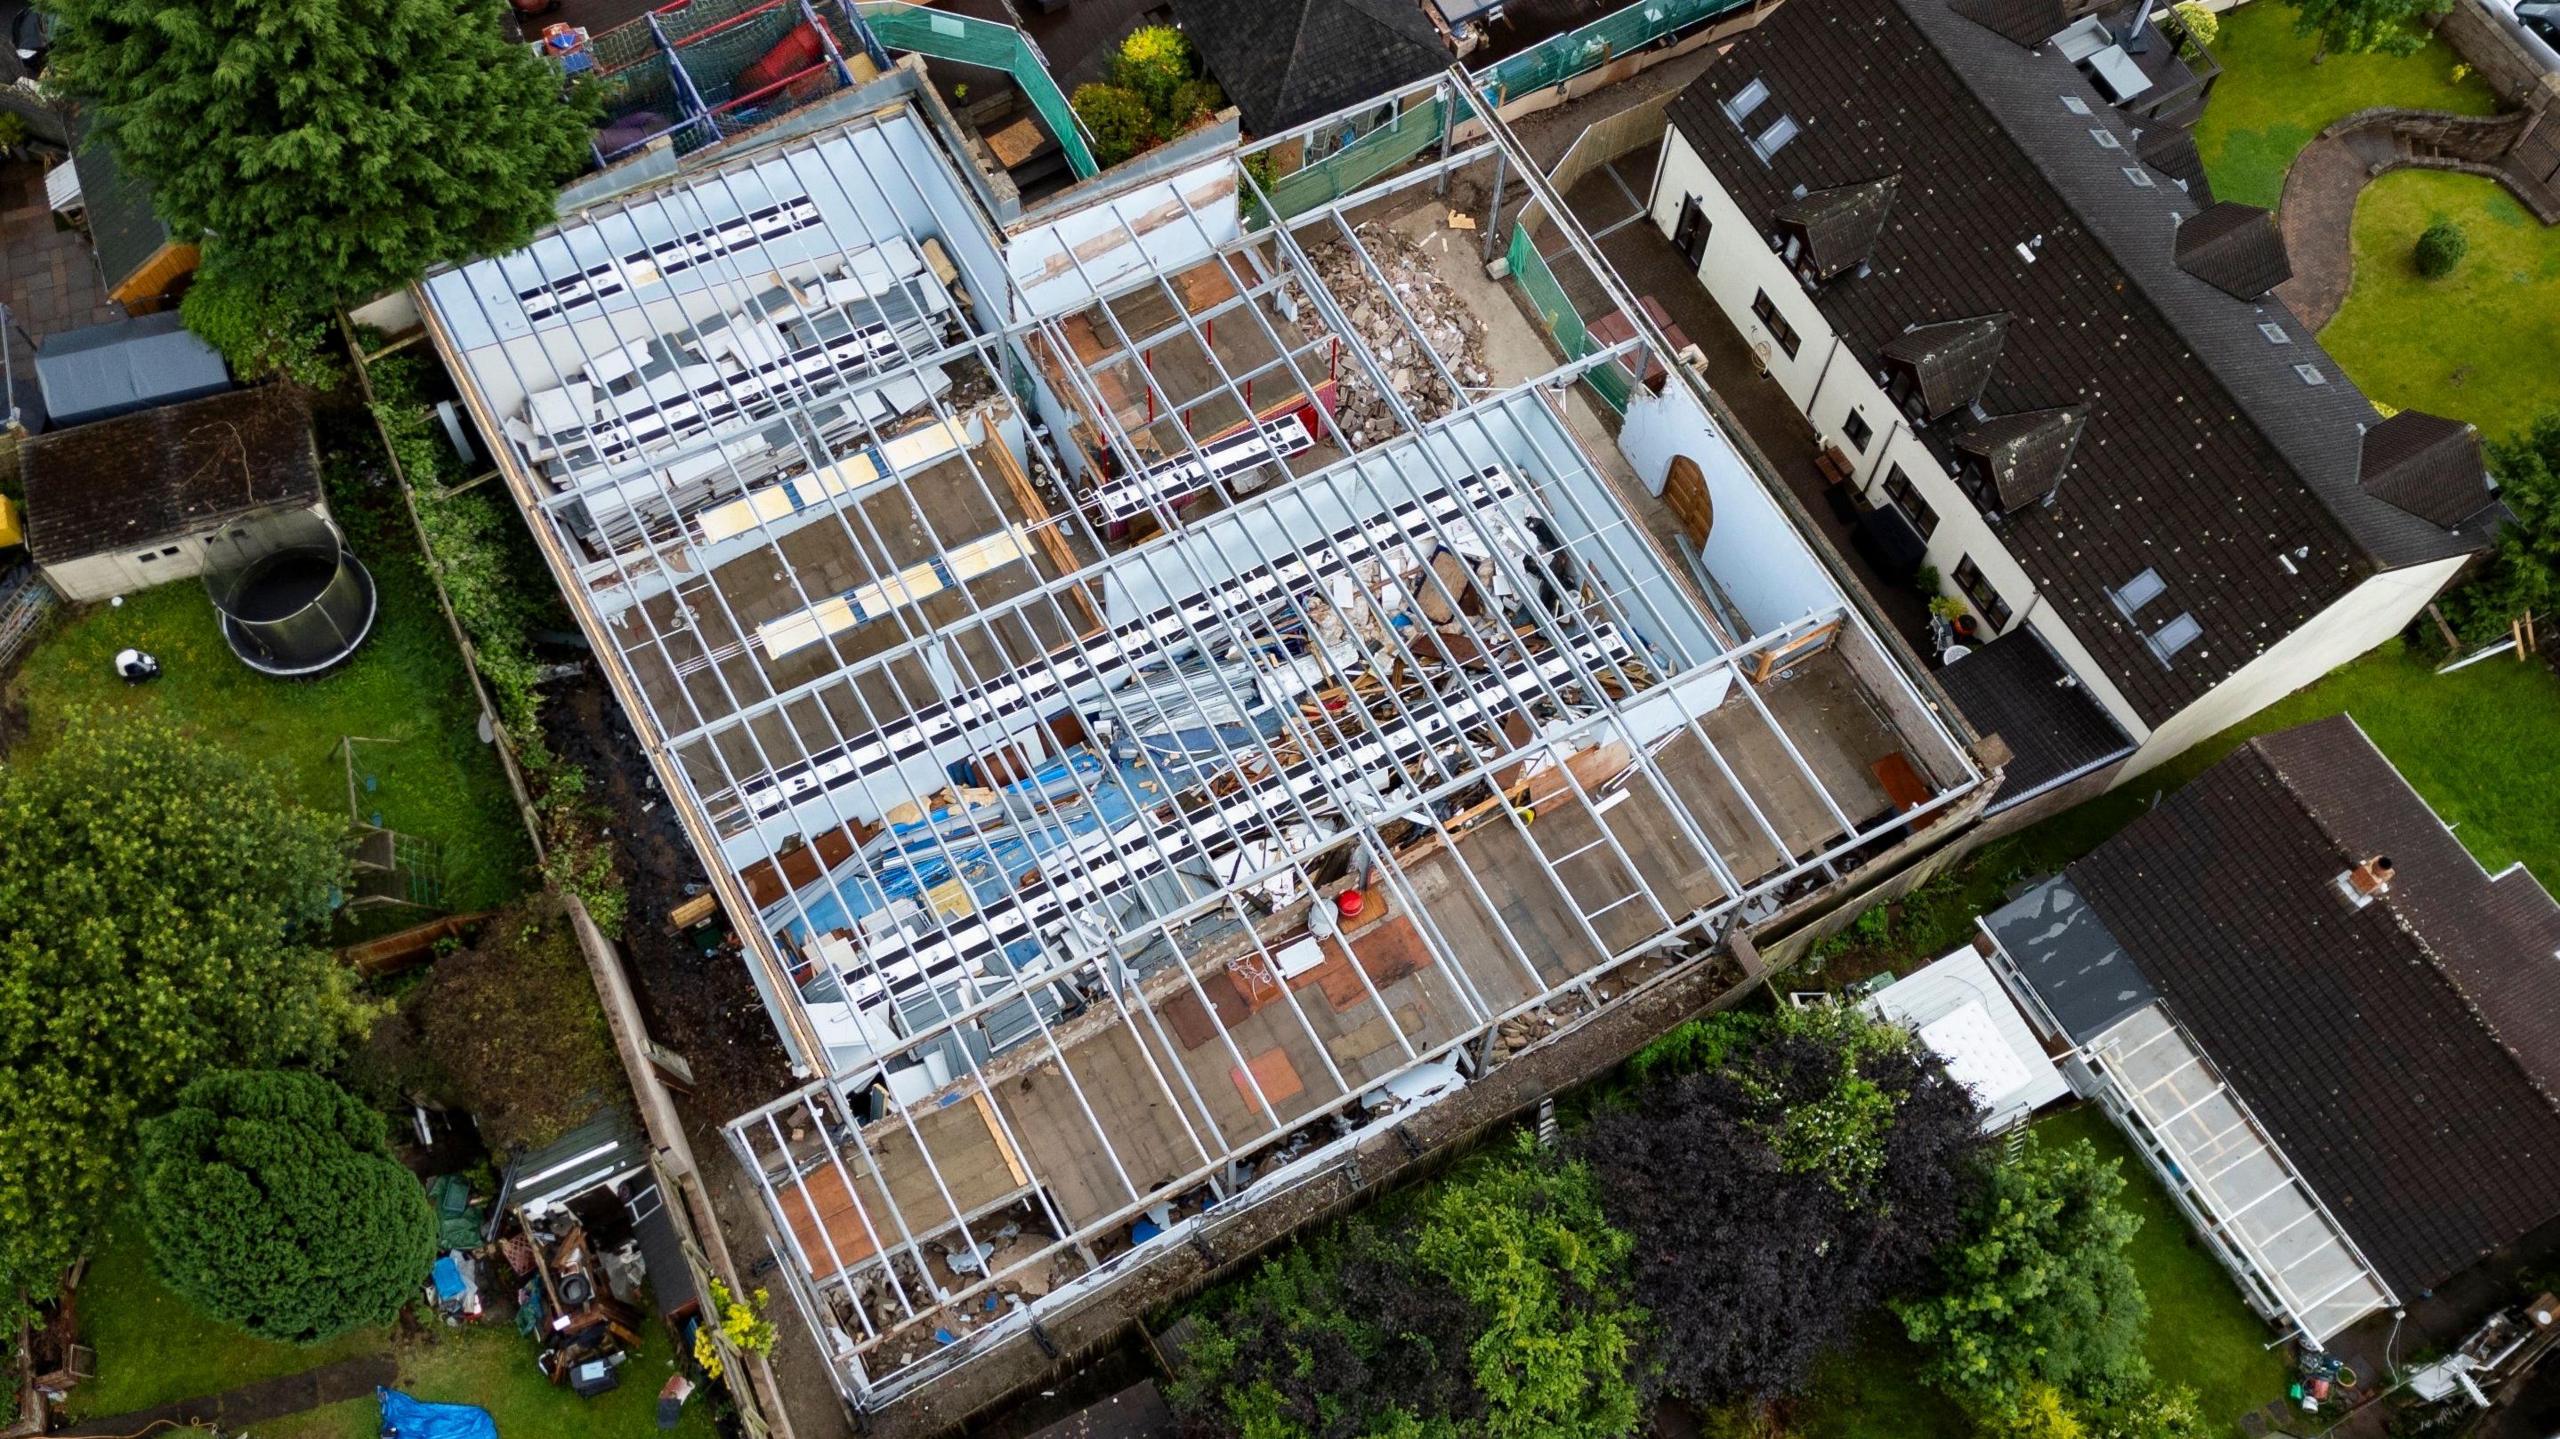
(1054, 801)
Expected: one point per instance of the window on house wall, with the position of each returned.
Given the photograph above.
(1979, 593)
(1690, 239)
(1857, 430)
(1906, 496)
(1766, 311)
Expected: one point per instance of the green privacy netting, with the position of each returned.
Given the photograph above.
(971, 41)
(1602, 40)
(1529, 270)
(1356, 164)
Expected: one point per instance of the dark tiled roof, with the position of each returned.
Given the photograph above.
(2027, 22)
(2028, 454)
(160, 474)
(2206, 455)
(2391, 1050)
(2235, 248)
(1841, 224)
(2015, 688)
(123, 227)
(2171, 150)
(1285, 62)
(1952, 360)
(2427, 465)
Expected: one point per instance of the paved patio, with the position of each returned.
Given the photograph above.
(49, 276)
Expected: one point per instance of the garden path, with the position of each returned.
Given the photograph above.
(260, 1403)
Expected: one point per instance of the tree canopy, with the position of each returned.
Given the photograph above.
(2354, 27)
(2523, 573)
(273, 1202)
(1812, 1167)
(326, 149)
(155, 915)
(2039, 1294)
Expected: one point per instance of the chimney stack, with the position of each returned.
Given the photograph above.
(2367, 880)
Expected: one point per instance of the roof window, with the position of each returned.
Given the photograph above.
(2106, 140)
(2311, 374)
(2075, 104)
(2174, 636)
(2274, 332)
(1775, 138)
(2141, 590)
(1746, 100)
(2140, 178)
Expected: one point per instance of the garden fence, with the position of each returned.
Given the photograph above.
(1594, 45)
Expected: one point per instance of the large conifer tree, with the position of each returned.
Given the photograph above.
(327, 150)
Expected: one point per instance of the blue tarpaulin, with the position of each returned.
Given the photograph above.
(417, 1419)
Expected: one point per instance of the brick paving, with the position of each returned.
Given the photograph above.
(49, 276)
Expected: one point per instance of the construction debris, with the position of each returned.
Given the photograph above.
(1455, 334)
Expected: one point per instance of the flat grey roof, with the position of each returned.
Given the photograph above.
(2065, 951)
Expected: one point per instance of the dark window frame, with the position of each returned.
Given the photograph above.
(1765, 309)
(1857, 431)
(1906, 497)
(1982, 595)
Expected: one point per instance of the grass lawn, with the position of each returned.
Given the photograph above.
(2201, 1333)
(2392, 333)
(492, 1366)
(2473, 743)
(154, 1348)
(2271, 99)
(435, 780)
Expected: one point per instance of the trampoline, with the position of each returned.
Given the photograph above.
(294, 602)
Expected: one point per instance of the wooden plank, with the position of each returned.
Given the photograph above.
(1036, 515)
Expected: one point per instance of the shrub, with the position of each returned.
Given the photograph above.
(2203, 26)
(1119, 119)
(272, 1201)
(2441, 246)
(2040, 1292)
(2523, 573)
(1153, 63)
(156, 914)
(1194, 101)
(257, 337)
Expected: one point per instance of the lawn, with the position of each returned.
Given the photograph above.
(2271, 99)
(2501, 367)
(153, 1347)
(434, 779)
(2200, 1335)
(492, 1366)
(2475, 743)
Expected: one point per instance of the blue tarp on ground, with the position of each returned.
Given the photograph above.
(417, 1419)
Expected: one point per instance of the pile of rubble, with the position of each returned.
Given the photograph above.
(1455, 332)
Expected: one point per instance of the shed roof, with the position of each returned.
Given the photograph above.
(2401, 1053)
(168, 473)
(2015, 687)
(125, 227)
(123, 366)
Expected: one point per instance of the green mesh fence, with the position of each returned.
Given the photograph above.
(1595, 44)
(1356, 164)
(1529, 270)
(971, 41)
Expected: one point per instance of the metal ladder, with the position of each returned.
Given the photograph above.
(25, 600)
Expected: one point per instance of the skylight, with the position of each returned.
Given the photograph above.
(2140, 178)
(2274, 332)
(2174, 636)
(2075, 104)
(2106, 139)
(1775, 137)
(2311, 374)
(2141, 590)
(1746, 100)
